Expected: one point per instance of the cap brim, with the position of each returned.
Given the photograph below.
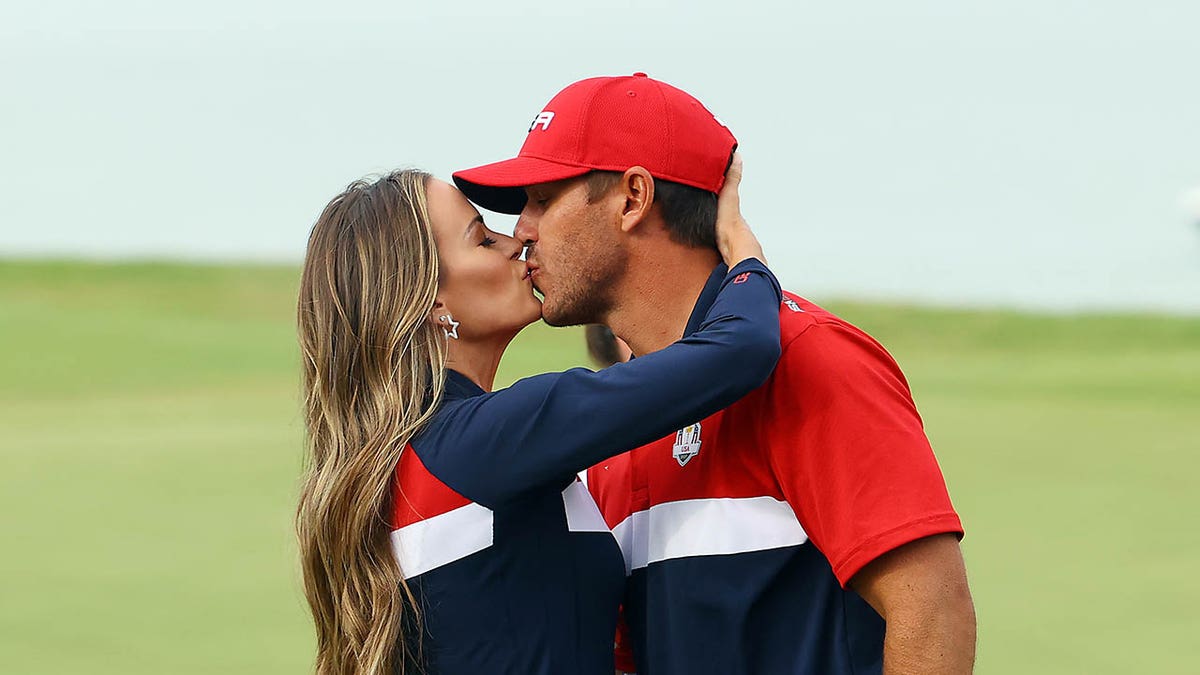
(500, 186)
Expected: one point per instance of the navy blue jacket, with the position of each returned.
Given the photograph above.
(509, 558)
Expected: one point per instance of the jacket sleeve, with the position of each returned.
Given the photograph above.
(544, 429)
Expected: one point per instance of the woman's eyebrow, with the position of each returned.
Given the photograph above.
(476, 221)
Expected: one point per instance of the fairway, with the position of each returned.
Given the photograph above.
(150, 446)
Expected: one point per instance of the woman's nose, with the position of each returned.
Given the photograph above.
(516, 247)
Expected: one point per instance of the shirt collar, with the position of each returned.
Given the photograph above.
(707, 297)
(459, 386)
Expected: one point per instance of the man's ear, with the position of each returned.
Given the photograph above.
(637, 190)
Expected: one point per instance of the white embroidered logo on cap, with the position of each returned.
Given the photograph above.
(687, 444)
(543, 119)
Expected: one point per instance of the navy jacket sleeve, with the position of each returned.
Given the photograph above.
(544, 429)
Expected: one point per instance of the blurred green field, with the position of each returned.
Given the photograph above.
(150, 444)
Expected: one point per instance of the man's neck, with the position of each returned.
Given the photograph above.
(659, 293)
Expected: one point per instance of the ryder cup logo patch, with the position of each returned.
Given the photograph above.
(543, 120)
(687, 444)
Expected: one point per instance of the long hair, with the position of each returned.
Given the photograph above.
(374, 372)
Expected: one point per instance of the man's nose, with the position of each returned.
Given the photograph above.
(526, 230)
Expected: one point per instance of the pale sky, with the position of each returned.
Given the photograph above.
(1019, 153)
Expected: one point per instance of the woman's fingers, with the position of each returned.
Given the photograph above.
(728, 198)
(735, 241)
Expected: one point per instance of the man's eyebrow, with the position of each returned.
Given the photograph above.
(477, 221)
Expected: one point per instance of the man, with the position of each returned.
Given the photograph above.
(806, 528)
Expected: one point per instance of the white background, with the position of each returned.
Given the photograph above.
(1023, 153)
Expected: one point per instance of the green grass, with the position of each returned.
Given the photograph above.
(150, 443)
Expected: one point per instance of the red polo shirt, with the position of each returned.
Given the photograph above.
(740, 533)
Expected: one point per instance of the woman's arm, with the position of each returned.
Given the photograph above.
(546, 428)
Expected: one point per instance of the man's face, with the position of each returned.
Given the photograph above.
(575, 255)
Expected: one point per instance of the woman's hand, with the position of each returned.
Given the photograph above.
(735, 241)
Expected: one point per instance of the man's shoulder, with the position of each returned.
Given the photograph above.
(813, 338)
(799, 316)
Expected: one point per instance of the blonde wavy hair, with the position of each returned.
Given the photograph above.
(374, 372)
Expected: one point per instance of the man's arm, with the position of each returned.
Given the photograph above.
(858, 469)
(920, 589)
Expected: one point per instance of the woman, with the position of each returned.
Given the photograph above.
(441, 526)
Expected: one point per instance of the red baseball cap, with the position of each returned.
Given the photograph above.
(610, 124)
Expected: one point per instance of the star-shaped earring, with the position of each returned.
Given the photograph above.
(452, 331)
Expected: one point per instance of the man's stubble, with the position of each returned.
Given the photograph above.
(588, 278)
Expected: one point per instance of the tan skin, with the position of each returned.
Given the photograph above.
(486, 288)
(920, 588)
(654, 293)
(483, 285)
